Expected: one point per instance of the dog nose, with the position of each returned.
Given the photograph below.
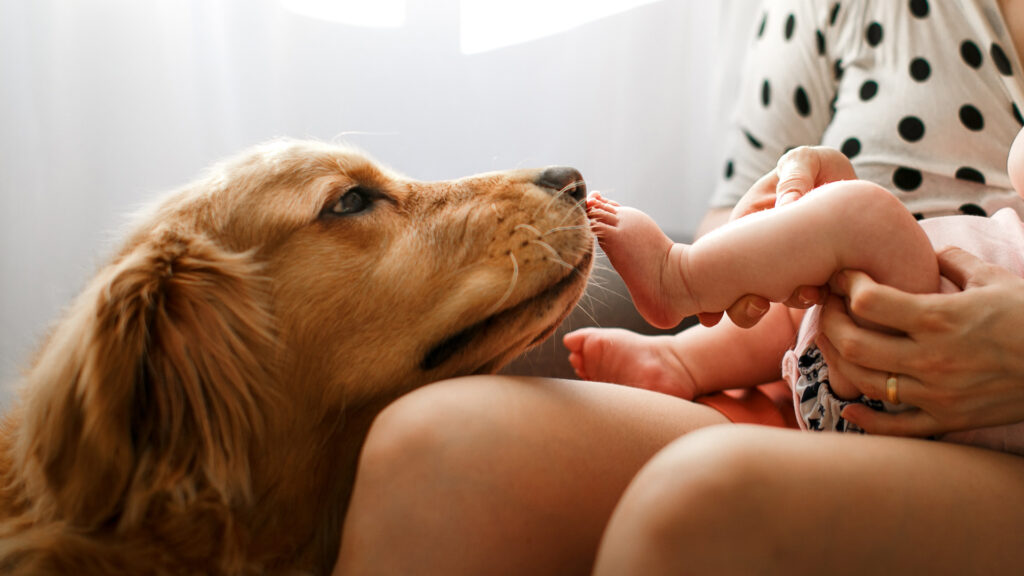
(565, 180)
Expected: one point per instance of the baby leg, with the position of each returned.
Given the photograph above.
(844, 225)
(849, 224)
(624, 357)
(692, 363)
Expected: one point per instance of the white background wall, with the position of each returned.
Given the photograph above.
(106, 103)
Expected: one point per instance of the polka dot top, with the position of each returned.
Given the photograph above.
(924, 97)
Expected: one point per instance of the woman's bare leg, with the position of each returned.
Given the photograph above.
(749, 500)
(502, 475)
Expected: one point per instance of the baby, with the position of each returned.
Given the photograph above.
(843, 225)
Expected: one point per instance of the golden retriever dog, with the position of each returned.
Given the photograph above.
(200, 407)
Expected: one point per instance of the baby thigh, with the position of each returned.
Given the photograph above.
(502, 475)
(869, 229)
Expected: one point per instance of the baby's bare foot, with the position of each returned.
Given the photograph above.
(648, 261)
(623, 357)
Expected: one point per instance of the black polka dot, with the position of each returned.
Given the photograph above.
(919, 69)
(874, 34)
(973, 210)
(790, 26)
(832, 104)
(835, 14)
(918, 216)
(753, 141)
(911, 128)
(971, 118)
(764, 22)
(1016, 114)
(821, 42)
(803, 105)
(970, 174)
(868, 90)
(1002, 62)
(837, 70)
(766, 93)
(971, 54)
(919, 8)
(729, 170)
(851, 147)
(906, 179)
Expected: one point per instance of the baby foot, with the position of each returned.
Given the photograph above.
(648, 261)
(623, 357)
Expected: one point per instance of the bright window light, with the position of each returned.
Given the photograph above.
(369, 13)
(490, 24)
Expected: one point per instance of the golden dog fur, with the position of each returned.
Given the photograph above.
(201, 405)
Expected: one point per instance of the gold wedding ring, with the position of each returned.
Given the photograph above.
(892, 388)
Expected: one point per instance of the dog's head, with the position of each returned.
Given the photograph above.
(381, 283)
(297, 276)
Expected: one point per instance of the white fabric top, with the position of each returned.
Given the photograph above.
(923, 97)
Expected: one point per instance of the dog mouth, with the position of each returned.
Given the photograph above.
(449, 347)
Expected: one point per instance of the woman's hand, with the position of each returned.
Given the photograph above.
(959, 357)
(798, 172)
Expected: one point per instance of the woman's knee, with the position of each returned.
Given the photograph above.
(694, 504)
(424, 427)
(711, 475)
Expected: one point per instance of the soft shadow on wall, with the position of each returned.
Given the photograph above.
(107, 103)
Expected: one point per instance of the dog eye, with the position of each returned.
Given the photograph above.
(352, 202)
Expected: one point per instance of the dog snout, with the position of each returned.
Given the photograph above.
(564, 180)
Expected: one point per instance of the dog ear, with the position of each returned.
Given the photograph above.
(152, 385)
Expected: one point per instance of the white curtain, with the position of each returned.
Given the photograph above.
(106, 103)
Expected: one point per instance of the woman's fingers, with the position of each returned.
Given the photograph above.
(797, 171)
(748, 310)
(845, 375)
(760, 196)
(884, 305)
(807, 296)
(868, 348)
(957, 265)
(806, 167)
(709, 319)
(910, 423)
(965, 269)
(874, 384)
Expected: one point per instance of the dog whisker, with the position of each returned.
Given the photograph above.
(545, 207)
(605, 291)
(564, 228)
(569, 213)
(530, 228)
(581, 204)
(587, 313)
(557, 195)
(560, 262)
(547, 247)
(570, 186)
(511, 286)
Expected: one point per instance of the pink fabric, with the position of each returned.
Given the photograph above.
(998, 240)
